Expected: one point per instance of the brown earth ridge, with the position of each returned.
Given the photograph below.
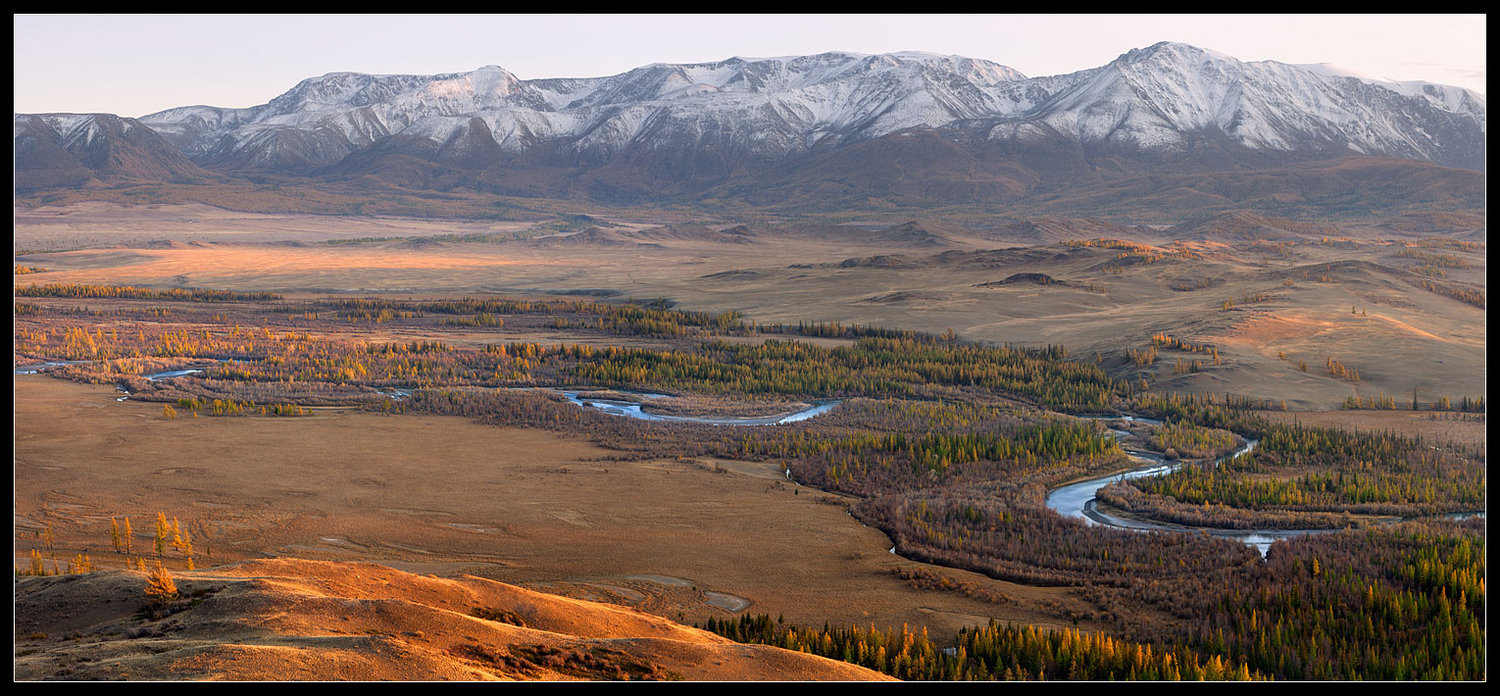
(288, 619)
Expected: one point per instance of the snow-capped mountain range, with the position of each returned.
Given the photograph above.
(768, 108)
(1166, 99)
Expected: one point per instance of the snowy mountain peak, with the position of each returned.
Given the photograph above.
(1159, 98)
(1172, 50)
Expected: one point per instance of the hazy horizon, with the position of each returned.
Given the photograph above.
(134, 65)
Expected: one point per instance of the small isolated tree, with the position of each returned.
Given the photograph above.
(183, 541)
(168, 412)
(127, 537)
(177, 542)
(160, 589)
(162, 530)
(114, 535)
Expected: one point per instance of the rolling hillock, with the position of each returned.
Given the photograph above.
(288, 619)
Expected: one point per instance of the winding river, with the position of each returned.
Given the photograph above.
(1076, 499)
(42, 367)
(628, 409)
(631, 409)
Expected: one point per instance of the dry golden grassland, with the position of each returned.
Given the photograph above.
(681, 538)
(432, 494)
(294, 619)
(1266, 313)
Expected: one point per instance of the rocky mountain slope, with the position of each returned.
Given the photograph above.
(70, 150)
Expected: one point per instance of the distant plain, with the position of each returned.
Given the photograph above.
(1267, 304)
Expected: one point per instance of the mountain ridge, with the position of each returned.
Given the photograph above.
(674, 131)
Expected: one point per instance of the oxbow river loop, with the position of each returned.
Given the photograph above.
(1076, 499)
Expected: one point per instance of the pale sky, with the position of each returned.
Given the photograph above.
(133, 65)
